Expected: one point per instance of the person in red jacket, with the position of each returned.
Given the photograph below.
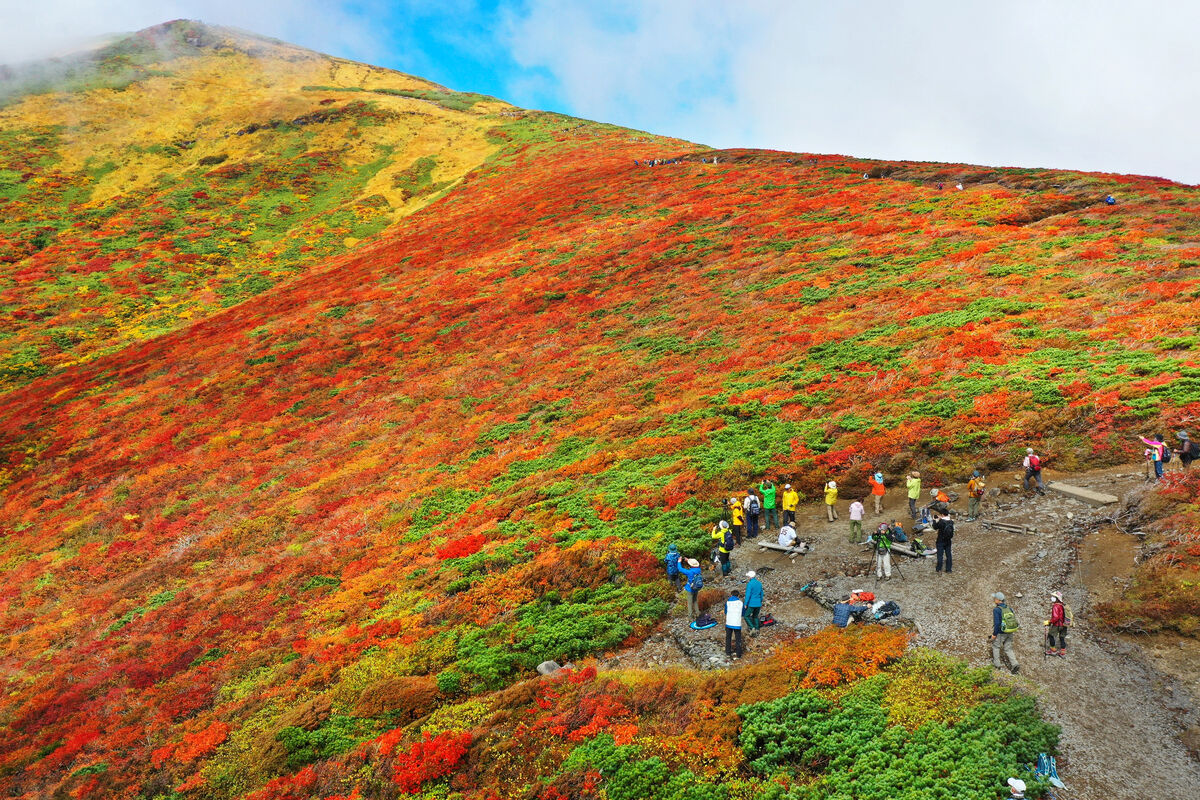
(1056, 626)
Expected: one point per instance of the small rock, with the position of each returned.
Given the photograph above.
(1019, 595)
(548, 668)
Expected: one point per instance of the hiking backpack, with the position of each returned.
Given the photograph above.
(1035, 463)
(1166, 451)
(1008, 620)
(754, 505)
(1068, 617)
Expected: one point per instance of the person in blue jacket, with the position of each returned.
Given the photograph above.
(695, 582)
(672, 562)
(754, 601)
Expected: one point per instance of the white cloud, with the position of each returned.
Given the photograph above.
(1097, 85)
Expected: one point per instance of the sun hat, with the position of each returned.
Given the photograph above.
(1017, 784)
(1056, 596)
(879, 477)
(975, 474)
(733, 499)
(787, 486)
(750, 574)
(693, 562)
(673, 549)
(998, 596)
(833, 484)
(724, 524)
(1029, 450)
(933, 492)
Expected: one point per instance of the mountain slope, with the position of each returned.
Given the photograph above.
(456, 450)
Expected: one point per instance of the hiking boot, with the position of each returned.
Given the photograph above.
(1016, 668)
(1051, 652)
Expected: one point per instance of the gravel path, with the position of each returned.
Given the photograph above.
(1121, 719)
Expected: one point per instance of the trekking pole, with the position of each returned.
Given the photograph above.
(900, 572)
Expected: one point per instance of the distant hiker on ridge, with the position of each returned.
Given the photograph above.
(767, 490)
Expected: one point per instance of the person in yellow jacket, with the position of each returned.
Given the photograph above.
(914, 492)
(737, 518)
(831, 500)
(791, 501)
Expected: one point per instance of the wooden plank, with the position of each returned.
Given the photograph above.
(1086, 495)
(798, 549)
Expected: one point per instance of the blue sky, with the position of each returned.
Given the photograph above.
(1096, 85)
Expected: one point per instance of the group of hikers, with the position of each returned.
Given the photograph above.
(1158, 454)
(765, 508)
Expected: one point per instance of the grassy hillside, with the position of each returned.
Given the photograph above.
(293, 494)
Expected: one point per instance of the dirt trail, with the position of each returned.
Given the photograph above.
(1121, 717)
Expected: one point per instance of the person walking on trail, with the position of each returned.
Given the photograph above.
(672, 562)
(914, 492)
(787, 536)
(1158, 453)
(737, 519)
(1056, 626)
(976, 487)
(770, 515)
(695, 582)
(831, 491)
(1033, 469)
(856, 516)
(791, 502)
(754, 602)
(881, 541)
(733, 624)
(945, 538)
(753, 508)
(1004, 625)
(877, 491)
(1188, 451)
(725, 551)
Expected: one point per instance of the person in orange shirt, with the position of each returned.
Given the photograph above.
(877, 490)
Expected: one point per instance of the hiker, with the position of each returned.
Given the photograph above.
(877, 490)
(733, 623)
(843, 611)
(830, 499)
(787, 536)
(939, 501)
(1033, 469)
(737, 519)
(725, 550)
(914, 492)
(672, 562)
(1109, 200)
(1016, 789)
(1056, 626)
(1004, 625)
(856, 515)
(945, 537)
(1188, 451)
(1158, 453)
(770, 516)
(881, 542)
(958, 186)
(695, 582)
(754, 601)
(753, 507)
(717, 534)
(791, 501)
(976, 487)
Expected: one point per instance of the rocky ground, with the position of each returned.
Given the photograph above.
(1126, 706)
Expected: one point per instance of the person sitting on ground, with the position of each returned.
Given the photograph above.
(896, 531)
(939, 502)
(831, 492)
(791, 501)
(842, 612)
(787, 536)
(976, 487)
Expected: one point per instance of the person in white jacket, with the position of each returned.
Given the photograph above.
(733, 624)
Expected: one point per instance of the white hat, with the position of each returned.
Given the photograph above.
(750, 574)
(1030, 451)
(933, 492)
(998, 596)
(693, 563)
(833, 484)
(787, 486)
(1056, 596)
(1017, 784)
(733, 499)
(856, 591)
(724, 524)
